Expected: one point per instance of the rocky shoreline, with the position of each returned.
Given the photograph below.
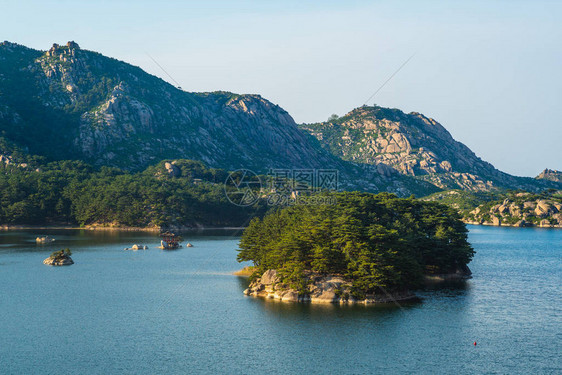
(323, 290)
(519, 210)
(521, 224)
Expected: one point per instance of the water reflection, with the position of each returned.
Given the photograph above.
(449, 288)
(297, 310)
(457, 290)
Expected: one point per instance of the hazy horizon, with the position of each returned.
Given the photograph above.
(487, 71)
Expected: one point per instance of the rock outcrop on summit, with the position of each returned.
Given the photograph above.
(550, 174)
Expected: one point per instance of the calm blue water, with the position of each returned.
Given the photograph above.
(150, 312)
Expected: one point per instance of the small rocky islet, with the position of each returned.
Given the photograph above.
(59, 258)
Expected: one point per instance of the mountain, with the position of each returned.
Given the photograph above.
(68, 103)
(414, 145)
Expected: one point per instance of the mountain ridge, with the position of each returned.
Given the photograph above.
(71, 103)
(411, 144)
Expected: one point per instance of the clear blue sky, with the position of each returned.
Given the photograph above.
(489, 71)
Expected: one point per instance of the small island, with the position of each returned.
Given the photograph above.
(59, 258)
(365, 249)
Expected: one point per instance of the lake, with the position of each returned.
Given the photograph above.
(155, 311)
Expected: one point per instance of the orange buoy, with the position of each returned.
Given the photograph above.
(474, 343)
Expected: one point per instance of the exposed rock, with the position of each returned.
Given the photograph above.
(520, 210)
(529, 204)
(173, 171)
(385, 170)
(411, 144)
(462, 273)
(59, 258)
(322, 289)
(58, 262)
(5, 159)
(521, 223)
(137, 247)
(72, 45)
(269, 277)
(550, 174)
(545, 223)
(114, 114)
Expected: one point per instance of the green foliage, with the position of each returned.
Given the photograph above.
(333, 117)
(464, 201)
(72, 192)
(374, 240)
(61, 254)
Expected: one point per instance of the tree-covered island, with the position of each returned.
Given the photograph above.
(366, 248)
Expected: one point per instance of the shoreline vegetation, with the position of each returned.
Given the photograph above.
(367, 249)
(244, 272)
(179, 194)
